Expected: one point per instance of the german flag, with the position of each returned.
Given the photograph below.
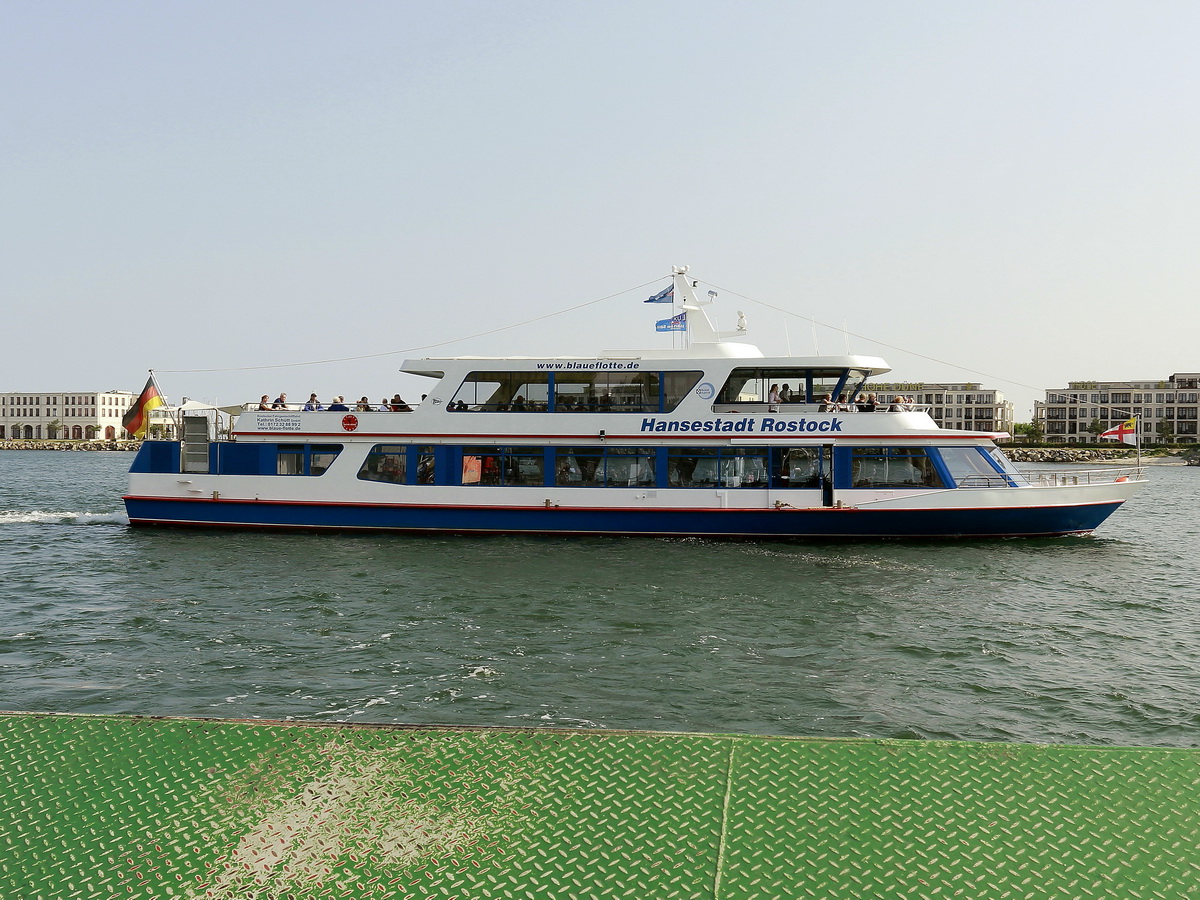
(137, 418)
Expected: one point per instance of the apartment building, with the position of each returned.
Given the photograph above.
(1167, 410)
(77, 415)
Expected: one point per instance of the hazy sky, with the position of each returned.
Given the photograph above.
(1004, 192)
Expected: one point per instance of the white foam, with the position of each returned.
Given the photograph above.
(45, 517)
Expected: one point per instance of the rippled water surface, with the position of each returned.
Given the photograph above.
(1077, 640)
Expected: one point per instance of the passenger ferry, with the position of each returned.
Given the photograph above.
(701, 440)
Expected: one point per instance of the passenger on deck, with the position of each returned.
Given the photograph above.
(364, 405)
(773, 399)
(264, 403)
(384, 405)
(518, 404)
(867, 403)
(785, 393)
(339, 404)
(280, 402)
(827, 404)
(313, 404)
(398, 404)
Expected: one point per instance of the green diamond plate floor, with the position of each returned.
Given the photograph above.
(100, 806)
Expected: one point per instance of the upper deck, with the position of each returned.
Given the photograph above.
(716, 385)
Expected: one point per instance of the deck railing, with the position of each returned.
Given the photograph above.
(1054, 479)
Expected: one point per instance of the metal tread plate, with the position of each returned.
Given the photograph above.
(98, 806)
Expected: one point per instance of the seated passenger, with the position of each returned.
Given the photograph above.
(827, 404)
(867, 403)
(518, 404)
(844, 404)
(384, 405)
(338, 405)
(785, 393)
(264, 402)
(364, 405)
(280, 402)
(398, 404)
(313, 404)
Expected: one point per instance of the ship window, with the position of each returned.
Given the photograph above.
(426, 469)
(385, 462)
(970, 468)
(322, 458)
(800, 467)
(753, 385)
(503, 392)
(579, 467)
(713, 467)
(290, 459)
(629, 467)
(621, 391)
(574, 391)
(604, 467)
(503, 466)
(893, 467)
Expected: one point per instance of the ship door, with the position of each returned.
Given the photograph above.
(195, 444)
(827, 475)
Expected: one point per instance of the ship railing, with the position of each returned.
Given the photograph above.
(760, 406)
(1054, 479)
(299, 407)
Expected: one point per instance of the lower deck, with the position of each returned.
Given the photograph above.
(884, 489)
(187, 808)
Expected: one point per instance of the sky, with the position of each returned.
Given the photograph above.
(255, 197)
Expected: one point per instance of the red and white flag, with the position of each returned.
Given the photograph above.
(1126, 431)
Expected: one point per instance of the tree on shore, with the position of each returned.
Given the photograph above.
(1029, 431)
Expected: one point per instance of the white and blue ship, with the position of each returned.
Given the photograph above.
(712, 439)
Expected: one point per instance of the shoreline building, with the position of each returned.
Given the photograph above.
(967, 405)
(75, 416)
(1168, 410)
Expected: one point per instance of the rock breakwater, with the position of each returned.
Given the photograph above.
(1066, 454)
(70, 445)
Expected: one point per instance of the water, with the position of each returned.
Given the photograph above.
(1079, 640)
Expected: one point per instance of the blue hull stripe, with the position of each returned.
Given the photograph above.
(847, 522)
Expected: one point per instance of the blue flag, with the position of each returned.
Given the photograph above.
(666, 295)
(675, 323)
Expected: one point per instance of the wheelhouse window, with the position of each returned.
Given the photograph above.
(386, 462)
(872, 467)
